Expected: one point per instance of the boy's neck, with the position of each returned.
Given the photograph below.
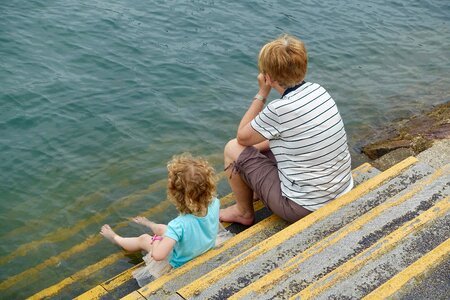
(278, 88)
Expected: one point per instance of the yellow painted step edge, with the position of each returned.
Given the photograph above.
(225, 201)
(89, 242)
(271, 278)
(134, 296)
(53, 290)
(415, 270)
(205, 281)
(152, 287)
(376, 250)
(65, 233)
(119, 279)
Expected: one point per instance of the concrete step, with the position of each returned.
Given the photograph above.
(310, 266)
(390, 255)
(116, 263)
(168, 285)
(253, 264)
(426, 278)
(122, 283)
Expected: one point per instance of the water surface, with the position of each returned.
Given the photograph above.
(96, 96)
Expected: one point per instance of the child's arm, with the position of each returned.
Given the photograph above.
(162, 248)
(158, 229)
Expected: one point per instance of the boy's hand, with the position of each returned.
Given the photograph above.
(264, 85)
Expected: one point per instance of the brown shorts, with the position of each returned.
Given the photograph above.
(259, 171)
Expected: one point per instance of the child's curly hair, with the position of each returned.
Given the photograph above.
(191, 184)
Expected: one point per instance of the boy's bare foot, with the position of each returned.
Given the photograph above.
(143, 221)
(233, 215)
(108, 233)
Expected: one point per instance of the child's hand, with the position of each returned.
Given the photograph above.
(143, 221)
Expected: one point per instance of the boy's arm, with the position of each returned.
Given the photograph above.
(246, 135)
(263, 146)
(162, 248)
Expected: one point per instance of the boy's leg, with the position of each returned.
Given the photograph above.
(258, 170)
(132, 244)
(242, 212)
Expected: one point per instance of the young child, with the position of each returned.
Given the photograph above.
(191, 187)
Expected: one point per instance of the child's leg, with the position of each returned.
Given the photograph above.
(132, 244)
(158, 229)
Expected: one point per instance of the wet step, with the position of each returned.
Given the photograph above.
(314, 263)
(267, 255)
(123, 283)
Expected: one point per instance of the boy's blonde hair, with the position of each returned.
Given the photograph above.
(285, 60)
(191, 184)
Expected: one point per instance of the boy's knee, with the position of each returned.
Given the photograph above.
(232, 150)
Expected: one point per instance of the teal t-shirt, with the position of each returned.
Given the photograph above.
(194, 235)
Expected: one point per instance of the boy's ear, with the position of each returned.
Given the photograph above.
(268, 79)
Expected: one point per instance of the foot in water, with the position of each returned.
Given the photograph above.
(108, 233)
(143, 221)
(232, 214)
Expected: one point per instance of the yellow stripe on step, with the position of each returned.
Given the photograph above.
(67, 232)
(123, 277)
(205, 281)
(89, 242)
(375, 251)
(134, 296)
(270, 279)
(415, 270)
(53, 290)
(248, 233)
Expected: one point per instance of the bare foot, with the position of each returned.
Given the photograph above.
(233, 215)
(143, 221)
(108, 233)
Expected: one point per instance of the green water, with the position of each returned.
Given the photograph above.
(96, 96)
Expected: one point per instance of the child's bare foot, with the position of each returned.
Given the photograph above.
(143, 221)
(108, 233)
(233, 215)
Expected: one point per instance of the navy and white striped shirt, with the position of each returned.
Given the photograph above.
(308, 139)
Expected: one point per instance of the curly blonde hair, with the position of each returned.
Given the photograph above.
(191, 184)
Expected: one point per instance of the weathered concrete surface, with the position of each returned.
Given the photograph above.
(417, 133)
(376, 272)
(363, 173)
(354, 242)
(438, 155)
(261, 265)
(435, 285)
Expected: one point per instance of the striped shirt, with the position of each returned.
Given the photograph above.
(308, 139)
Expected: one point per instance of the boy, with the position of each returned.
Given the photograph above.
(292, 154)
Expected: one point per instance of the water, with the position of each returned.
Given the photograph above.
(96, 96)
